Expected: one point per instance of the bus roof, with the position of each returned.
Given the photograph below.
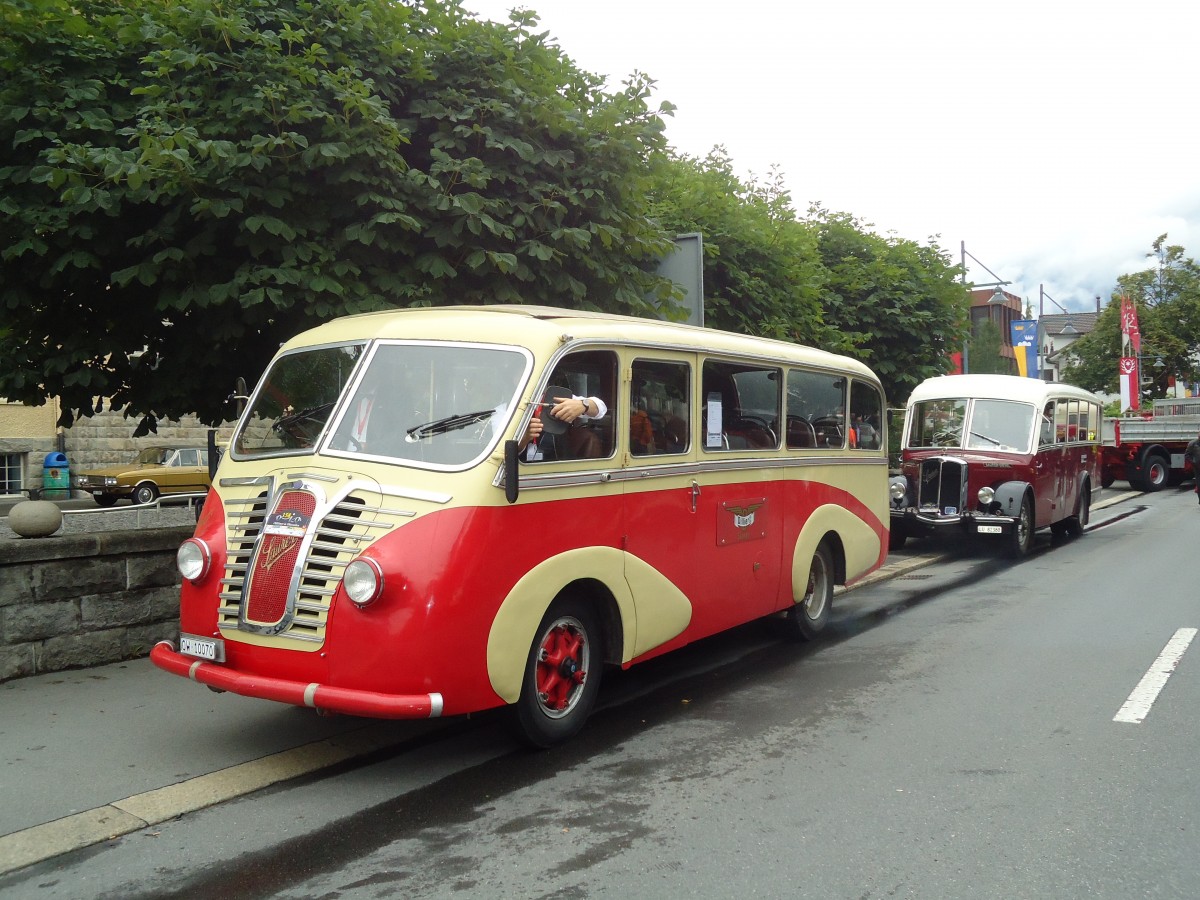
(997, 387)
(543, 329)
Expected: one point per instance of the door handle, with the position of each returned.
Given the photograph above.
(695, 494)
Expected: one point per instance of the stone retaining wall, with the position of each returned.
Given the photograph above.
(86, 599)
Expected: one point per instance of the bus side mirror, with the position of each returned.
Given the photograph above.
(511, 475)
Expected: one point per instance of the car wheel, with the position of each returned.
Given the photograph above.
(1077, 523)
(146, 492)
(808, 618)
(105, 500)
(562, 674)
(897, 537)
(1021, 538)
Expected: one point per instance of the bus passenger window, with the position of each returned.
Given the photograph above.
(659, 417)
(866, 416)
(747, 398)
(816, 409)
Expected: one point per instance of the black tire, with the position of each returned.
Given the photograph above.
(1077, 524)
(562, 674)
(1021, 537)
(146, 492)
(105, 500)
(808, 618)
(1154, 473)
(1106, 478)
(897, 537)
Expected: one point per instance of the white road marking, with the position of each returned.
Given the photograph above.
(1137, 707)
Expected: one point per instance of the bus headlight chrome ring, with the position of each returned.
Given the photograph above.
(193, 559)
(363, 581)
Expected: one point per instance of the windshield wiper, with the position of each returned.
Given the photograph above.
(449, 423)
(984, 437)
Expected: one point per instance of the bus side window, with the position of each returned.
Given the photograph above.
(816, 403)
(588, 373)
(1046, 434)
(866, 416)
(659, 414)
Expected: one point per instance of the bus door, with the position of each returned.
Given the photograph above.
(703, 510)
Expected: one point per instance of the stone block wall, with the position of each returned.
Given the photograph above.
(86, 599)
(106, 438)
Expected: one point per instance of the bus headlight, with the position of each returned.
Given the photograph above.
(363, 581)
(986, 496)
(193, 559)
(898, 488)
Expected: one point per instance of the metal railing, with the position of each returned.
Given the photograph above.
(192, 500)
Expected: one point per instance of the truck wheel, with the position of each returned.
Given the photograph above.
(562, 674)
(1154, 473)
(1021, 538)
(897, 537)
(1106, 478)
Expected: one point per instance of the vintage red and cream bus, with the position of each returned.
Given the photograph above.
(998, 456)
(382, 539)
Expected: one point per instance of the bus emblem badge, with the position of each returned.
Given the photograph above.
(277, 551)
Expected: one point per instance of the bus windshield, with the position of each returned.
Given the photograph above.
(1003, 425)
(438, 404)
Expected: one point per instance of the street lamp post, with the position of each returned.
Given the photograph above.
(1068, 328)
(997, 299)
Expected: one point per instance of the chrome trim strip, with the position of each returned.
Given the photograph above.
(245, 482)
(310, 695)
(330, 479)
(435, 706)
(674, 470)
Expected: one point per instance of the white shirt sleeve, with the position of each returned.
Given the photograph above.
(601, 408)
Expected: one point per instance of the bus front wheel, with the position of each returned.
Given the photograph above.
(562, 674)
(1021, 538)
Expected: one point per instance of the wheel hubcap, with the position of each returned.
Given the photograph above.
(562, 664)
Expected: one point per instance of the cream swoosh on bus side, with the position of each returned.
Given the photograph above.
(437, 511)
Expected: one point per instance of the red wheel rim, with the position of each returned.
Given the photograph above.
(564, 654)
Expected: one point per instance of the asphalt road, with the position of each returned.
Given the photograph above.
(951, 736)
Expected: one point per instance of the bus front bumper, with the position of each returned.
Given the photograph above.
(322, 697)
(972, 523)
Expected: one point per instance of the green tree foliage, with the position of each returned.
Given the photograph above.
(895, 301)
(186, 184)
(1167, 297)
(762, 275)
(984, 351)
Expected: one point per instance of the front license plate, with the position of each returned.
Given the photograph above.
(990, 529)
(211, 649)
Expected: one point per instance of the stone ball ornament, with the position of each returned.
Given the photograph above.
(35, 518)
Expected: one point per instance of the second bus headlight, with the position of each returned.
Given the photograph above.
(986, 496)
(363, 581)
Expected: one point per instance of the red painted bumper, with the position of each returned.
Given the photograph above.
(318, 696)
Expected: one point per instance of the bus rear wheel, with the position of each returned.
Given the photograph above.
(562, 674)
(808, 617)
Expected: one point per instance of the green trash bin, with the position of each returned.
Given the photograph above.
(56, 477)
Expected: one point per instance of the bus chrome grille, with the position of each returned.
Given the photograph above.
(941, 486)
(299, 595)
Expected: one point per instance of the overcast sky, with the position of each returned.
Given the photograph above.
(1057, 139)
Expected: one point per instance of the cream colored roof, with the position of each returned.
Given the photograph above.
(543, 329)
(997, 387)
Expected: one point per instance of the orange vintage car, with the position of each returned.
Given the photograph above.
(157, 471)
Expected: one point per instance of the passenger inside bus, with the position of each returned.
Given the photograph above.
(574, 400)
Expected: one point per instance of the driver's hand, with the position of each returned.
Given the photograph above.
(565, 408)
